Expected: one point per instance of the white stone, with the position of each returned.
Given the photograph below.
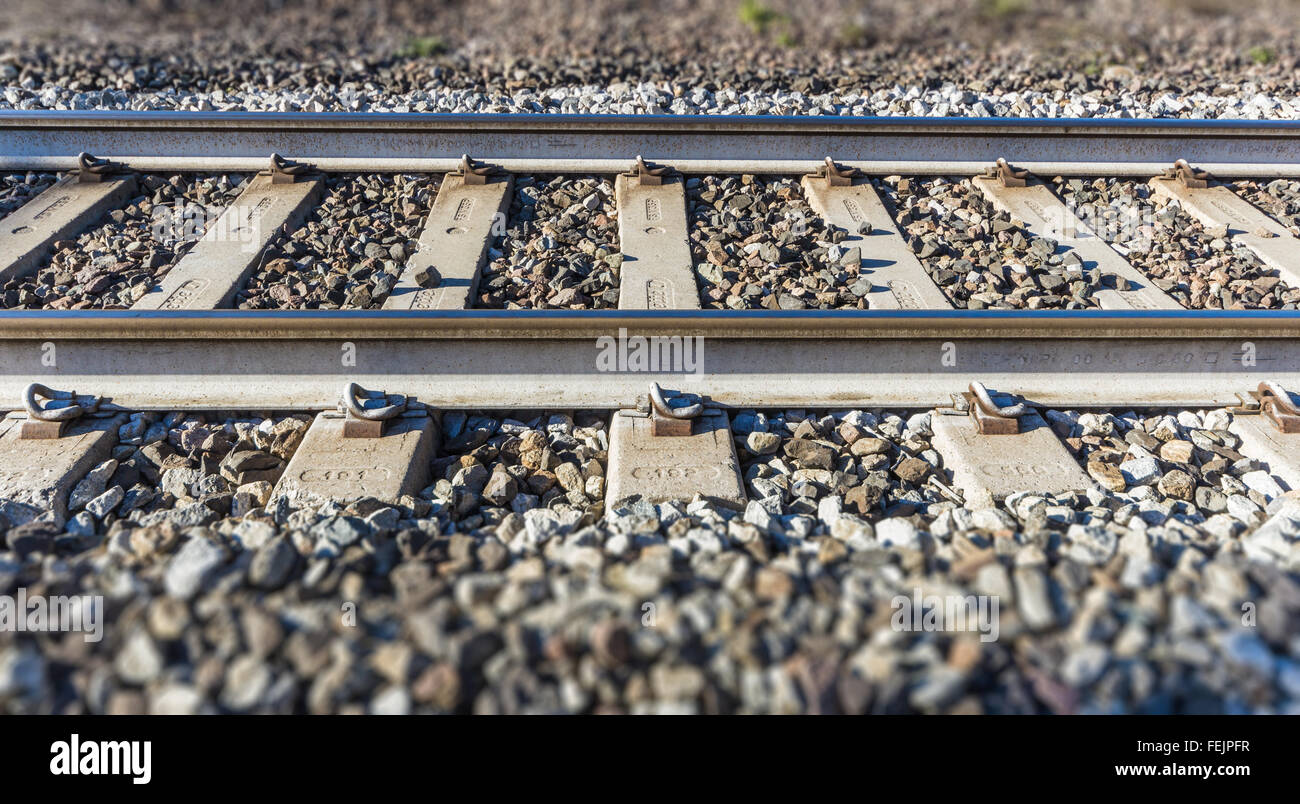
(1242, 508)
(139, 661)
(896, 532)
(1262, 482)
(1140, 471)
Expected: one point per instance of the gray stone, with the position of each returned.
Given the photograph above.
(191, 567)
(1084, 664)
(272, 564)
(92, 485)
(139, 661)
(1140, 471)
(106, 502)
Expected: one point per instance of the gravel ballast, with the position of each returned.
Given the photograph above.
(1170, 586)
(1201, 267)
(560, 250)
(17, 189)
(351, 250)
(982, 258)
(1165, 467)
(115, 262)
(1040, 58)
(758, 245)
(502, 587)
(1280, 198)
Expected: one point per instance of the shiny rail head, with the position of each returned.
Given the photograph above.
(412, 142)
(26, 325)
(253, 372)
(44, 118)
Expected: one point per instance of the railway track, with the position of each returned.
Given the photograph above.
(766, 482)
(178, 349)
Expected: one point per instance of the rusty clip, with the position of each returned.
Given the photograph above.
(835, 175)
(1188, 176)
(666, 420)
(92, 169)
(1006, 175)
(287, 171)
(475, 173)
(990, 417)
(1276, 404)
(368, 410)
(648, 175)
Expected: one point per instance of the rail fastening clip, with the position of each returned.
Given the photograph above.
(990, 417)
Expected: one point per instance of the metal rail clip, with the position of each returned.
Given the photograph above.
(1188, 176)
(1006, 175)
(990, 417)
(648, 175)
(1276, 404)
(476, 173)
(93, 170)
(836, 176)
(368, 410)
(666, 420)
(49, 420)
(287, 171)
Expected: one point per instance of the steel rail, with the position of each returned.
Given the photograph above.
(607, 143)
(333, 325)
(476, 359)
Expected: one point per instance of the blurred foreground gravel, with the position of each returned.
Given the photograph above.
(503, 588)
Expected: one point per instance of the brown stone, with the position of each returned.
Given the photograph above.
(809, 454)
(1176, 451)
(772, 584)
(912, 470)
(1107, 475)
(1177, 485)
(869, 446)
(863, 498)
